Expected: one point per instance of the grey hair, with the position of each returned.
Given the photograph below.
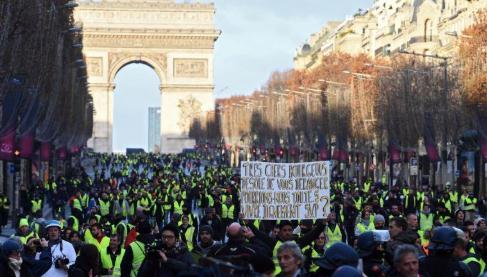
(291, 245)
(403, 250)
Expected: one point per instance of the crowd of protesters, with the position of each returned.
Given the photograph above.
(178, 215)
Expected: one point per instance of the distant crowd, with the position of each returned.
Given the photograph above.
(179, 215)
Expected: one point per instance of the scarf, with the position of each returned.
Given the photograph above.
(15, 264)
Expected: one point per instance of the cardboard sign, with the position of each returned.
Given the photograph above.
(286, 191)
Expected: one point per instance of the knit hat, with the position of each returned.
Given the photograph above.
(379, 218)
(10, 246)
(206, 228)
(24, 222)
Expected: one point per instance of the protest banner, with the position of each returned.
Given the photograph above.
(287, 191)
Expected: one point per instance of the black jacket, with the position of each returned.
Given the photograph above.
(41, 266)
(178, 260)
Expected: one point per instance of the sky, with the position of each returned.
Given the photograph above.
(258, 37)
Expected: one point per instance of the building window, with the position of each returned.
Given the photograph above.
(428, 30)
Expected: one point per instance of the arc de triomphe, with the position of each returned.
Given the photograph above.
(175, 39)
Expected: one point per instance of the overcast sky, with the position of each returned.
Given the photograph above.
(258, 37)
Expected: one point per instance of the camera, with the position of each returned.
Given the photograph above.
(60, 262)
(37, 243)
(152, 248)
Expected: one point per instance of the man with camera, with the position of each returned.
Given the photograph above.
(167, 258)
(37, 256)
(63, 254)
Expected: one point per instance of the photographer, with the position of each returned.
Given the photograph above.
(167, 259)
(63, 254)
(34, 248)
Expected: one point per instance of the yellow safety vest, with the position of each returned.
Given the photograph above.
(104, 207)
(228, 212)
(84, 200)
(366, 187)
(4, 203)
(211, 201)
(362, 228)
(107, 263)
(77, 204)
(178, 207)
(188, 234)
(333, 236)
(425, 221)
(75, 223)
(138, 250)
(167, 206)
(24, 239)
(102, 245)
(36, 205)
(143, 202)
(314, 255)
(469, 203)
(125, 208)
(475, 260)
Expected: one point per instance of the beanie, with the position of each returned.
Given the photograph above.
(10, 246)
(206, 228)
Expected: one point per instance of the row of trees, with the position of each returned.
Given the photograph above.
(360, 105)
(43, 88)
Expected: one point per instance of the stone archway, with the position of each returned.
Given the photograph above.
(175, 39)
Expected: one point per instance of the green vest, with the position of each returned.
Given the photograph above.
(333, 236)
(75, 223)
(362, 228)
(104, 207)
(425, 221)
(167, 204)
(36, 205)
(228, 212)
(474, 259)
(188, 234)
(314, 255)
(211, 201)
(138, 251)
(469, 203)
(366, 187)
(4, 203)
(178, 207)
(77, 204)
(24, 239)
(106, 261)
(102, 245)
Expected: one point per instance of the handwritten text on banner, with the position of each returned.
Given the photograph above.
(285, 191)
